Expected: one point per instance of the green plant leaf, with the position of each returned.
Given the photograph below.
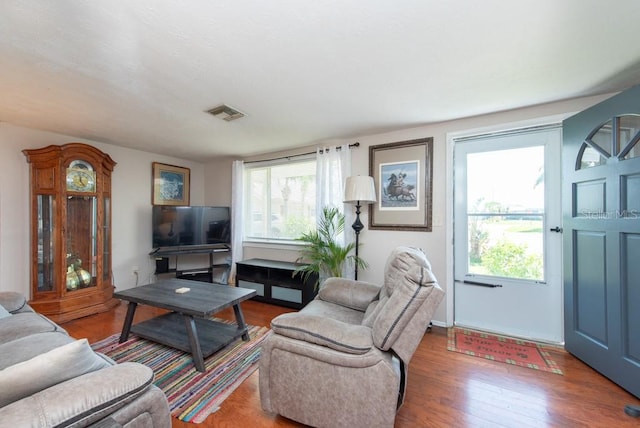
(322, 254)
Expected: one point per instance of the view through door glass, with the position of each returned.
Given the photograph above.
(505, 213)
(507, 240)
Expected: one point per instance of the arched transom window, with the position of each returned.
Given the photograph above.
(616, 138)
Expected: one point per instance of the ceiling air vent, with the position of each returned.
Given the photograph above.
(225, 112)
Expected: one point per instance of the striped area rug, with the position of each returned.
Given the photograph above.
(192, 395)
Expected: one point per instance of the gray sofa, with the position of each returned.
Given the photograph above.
(49, 379)
(342, 361)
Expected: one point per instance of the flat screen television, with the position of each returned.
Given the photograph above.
(189, 226)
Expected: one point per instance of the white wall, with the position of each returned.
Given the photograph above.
(217, 187)
(377, 244)
(131, 185)
(211, 185)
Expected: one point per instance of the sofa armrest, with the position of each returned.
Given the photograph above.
(14, 302)
(349, 293)
(82, 400)
(334, 334)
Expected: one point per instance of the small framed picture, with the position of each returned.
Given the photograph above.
(170, 185)
(402, 173)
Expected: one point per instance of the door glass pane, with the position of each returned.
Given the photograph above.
(589, 157)
(505, 211)
(603, 138)
(634, 151)
(629, 129)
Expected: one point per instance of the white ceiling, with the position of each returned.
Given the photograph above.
(141, 73)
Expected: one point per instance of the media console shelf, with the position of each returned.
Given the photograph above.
(205, 273)
(274, 282)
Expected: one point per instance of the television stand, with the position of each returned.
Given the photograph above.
(205, 274)
(275, 283)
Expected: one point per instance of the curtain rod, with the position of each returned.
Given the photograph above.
(338, 148)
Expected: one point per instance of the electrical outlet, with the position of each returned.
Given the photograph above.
(134, 270)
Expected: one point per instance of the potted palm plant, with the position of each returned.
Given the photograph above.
(322, 254)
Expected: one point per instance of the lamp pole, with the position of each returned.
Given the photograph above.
(357, 227)
(359, 189)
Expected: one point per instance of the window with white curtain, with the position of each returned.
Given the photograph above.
(279, 200)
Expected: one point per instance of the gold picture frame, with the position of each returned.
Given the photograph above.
(402, 173)
(171, 185)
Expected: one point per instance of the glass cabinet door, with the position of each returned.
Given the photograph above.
(81, 240)
(46, 276)
(106, 239)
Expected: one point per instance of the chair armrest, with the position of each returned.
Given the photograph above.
(334, 334)
(82, 400)
(349, 293)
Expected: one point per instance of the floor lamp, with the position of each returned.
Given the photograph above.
(359, 189)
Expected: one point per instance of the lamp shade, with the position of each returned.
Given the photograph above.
(360, 188)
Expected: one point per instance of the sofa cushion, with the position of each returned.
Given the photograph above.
(23, 324)
(349, 338)
(3, 312)
(51, 368)
(124, 391)
(349, 293)
(334, 311)
(27, 347)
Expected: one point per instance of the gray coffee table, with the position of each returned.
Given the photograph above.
(188, 326)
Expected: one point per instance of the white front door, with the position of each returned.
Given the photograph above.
(507, 233)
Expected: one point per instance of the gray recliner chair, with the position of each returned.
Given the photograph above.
(342, 361)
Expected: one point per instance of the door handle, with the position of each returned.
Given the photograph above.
(482, 284)
(556, 229)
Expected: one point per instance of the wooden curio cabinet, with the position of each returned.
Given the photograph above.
(70, 231)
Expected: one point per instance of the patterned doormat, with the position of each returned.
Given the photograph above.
(192, 395)
(502, 349)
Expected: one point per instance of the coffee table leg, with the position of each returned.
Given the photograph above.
(126, 327)
(240, 320)
(194, 343)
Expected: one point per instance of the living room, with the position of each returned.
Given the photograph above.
(30, 126)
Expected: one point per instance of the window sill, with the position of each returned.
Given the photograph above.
(280, 244)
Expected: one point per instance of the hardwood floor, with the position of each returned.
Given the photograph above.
(445, 389)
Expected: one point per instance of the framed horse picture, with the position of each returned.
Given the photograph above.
(402, 173)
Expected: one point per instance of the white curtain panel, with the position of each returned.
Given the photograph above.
(237, 186)
(333, 168)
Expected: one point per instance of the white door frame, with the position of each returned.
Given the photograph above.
(449, 189)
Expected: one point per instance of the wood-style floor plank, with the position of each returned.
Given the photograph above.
(445, 389)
